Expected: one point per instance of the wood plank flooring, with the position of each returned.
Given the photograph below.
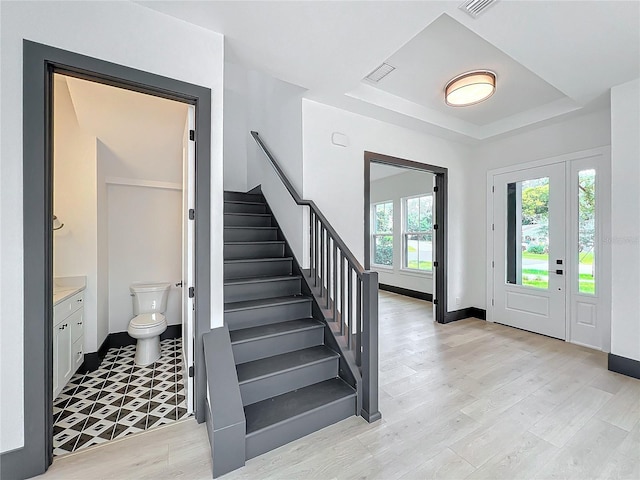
(469, 399)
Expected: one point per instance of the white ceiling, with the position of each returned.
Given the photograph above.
(563, 56)
(142, 130)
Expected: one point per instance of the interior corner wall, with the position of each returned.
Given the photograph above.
(236, 131)
(74, 203)
(395, 188)
(152, 220)
(124, 33)
(572, 135)
(625, 220)
(334, 178)
(275, 112)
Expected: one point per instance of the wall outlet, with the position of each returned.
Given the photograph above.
(458, 301)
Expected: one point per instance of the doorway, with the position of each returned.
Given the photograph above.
(41, 62)
(122, 166)
(549, 260)
(424, 232)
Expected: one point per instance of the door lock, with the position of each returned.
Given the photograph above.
(559, 272)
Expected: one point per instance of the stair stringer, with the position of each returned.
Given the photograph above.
(347, 368)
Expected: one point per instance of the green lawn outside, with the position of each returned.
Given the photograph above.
(424, 265)
(539, 279)
(585, 258)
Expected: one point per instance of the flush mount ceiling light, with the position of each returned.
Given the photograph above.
(470, 88)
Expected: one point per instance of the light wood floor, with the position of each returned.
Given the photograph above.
(469, 399)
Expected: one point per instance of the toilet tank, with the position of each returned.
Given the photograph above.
(149, 297)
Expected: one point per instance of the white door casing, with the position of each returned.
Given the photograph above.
(188, 250)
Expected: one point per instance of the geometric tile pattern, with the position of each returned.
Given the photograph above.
(119, 398)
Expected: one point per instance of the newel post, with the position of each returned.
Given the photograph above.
(370, 410)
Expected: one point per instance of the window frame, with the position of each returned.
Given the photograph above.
(375, 234)
(404, 233)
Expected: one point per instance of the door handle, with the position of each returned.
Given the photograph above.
(559, 272)
(179, 284)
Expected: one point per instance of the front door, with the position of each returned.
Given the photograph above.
(529, 267)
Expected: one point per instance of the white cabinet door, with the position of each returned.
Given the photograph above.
(62, 366)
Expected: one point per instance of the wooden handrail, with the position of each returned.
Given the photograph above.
(309, 203)
(354, 313)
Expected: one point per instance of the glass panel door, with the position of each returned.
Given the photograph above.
(529, 249)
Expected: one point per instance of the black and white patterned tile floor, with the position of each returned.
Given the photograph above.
(119, 399)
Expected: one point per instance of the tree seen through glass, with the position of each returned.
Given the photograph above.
(383, 234)
(418, 235)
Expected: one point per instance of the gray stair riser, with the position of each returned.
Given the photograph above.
(277, 344)
(279, 434)
(257, 268)
(237, 220)
(286, 381)
(269, 250)
(249, 235)
(245, 208)
(267, 315)
(260, 290)
(243, 197)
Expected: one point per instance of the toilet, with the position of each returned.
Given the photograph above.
(148, 323)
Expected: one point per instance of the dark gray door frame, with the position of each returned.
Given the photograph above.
(441, 195)
(40, 62)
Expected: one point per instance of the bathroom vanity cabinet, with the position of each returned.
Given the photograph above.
(68, 338)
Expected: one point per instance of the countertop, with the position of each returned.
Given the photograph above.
(65, 287)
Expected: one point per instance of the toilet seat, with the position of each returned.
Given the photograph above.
(147, 320)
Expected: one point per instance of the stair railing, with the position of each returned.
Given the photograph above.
(349, 292)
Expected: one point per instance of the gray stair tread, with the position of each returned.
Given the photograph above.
(242, 281)
(242, 214)
(252, 260)
(264, 331)
(244, 202)
(284, 362)
(240, 227)
(265, 302)
(274, 410)
(261, 242)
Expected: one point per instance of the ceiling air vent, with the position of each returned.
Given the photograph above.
(476, 7)
(380, 72)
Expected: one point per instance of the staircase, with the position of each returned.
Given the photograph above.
(288, 377)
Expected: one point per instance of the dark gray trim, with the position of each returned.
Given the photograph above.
(406, 292)
(442, 199)
(465, 313)
(624, 365)
(40, 62)
(93, 360)
(226, 424)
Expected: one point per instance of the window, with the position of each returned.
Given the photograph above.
(418, 233)
(382, 243)
(586, 231)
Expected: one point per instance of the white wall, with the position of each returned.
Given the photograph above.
(395, 188)
(334, 178)
(144, 230)
(74, 202)
(625, 220)
(119, 32)
(145, 245)
(236, 130)
(273, 108)
(573, 135)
